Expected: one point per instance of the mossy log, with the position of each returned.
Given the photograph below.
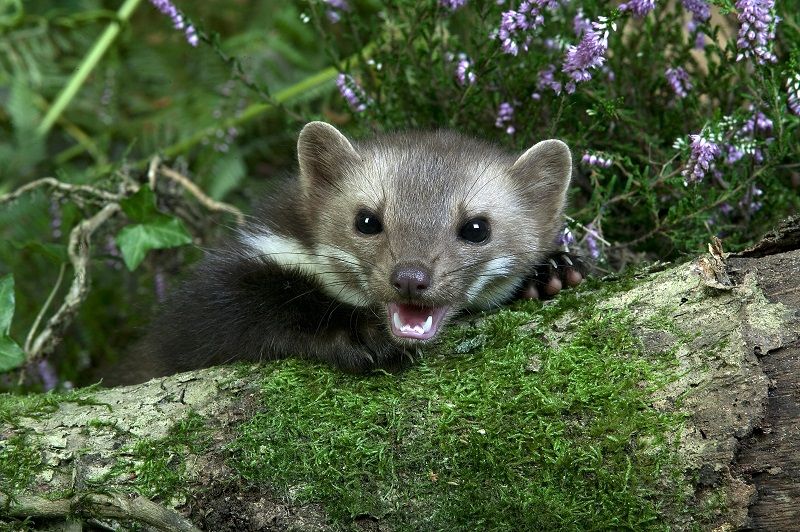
(168, 454)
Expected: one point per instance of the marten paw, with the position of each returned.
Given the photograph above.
(548, 279)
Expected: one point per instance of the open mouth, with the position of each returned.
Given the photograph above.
(413, 321)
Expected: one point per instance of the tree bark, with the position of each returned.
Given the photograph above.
(738, 359)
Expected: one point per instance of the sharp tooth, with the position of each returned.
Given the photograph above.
(396, 321)
(405, 328)
(428, 324)
(418, 329)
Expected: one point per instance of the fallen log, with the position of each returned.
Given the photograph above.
(518, 419)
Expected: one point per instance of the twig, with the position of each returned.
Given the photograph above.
(44, 308)
(79, 256)
(99, 194)
(587, 230)
(112, 506)
(201, 196)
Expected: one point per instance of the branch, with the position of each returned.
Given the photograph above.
(195, 191)
(96, 194)
(113, 506)
(79, 256)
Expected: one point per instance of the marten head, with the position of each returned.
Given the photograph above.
(420, 225)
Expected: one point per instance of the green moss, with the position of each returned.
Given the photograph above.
(475, 435)
(20, 461)
(160, 465)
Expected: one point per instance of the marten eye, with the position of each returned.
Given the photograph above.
(368, 223)
(475, 231)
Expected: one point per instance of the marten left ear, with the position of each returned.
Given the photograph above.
(323, 153)
(543, 174)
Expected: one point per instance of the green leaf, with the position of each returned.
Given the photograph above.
(7, 303)
(135, 241)
(228, 172)
(141, 207)
(11, 355)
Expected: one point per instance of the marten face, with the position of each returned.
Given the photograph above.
(420, 226)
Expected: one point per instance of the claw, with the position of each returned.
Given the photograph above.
(567, 259)
(553, 263)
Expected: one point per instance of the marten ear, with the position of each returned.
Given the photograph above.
(543, 174)
(323, 153)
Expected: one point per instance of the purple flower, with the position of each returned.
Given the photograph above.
(335, 9)
(48, 375)
(698, 8)
(749, 202)
(692, 27)
(704, 152)
(596, 160)
(678, 80)
(580, 23)
(505, 115)
(452, 5)
(566, 238)
(546, 79)
(168, 8)
(516, 25)
(589, 53)
(464, 73)
(592, 237)
(757, 123)
(757, 30)
(352, 92)
(733, 154)
(793, 93)
(640, 8)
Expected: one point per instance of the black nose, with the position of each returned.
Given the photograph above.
(410, 280)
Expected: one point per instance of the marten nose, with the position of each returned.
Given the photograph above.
(410, 280)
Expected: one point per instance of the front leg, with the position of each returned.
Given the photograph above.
(559, 270)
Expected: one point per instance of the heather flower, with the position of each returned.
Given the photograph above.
(596, 160)
(592, 238)
(546, 79)
(464, 73)
(581, 23)
(639, 8)
(678, 80)
(793, 93)
(168, 8)
(757, 30)
(749, 202)
(698, 8)
(48, 375)
(704, 152)
(566, 238)
(757, 123)
(335, 9)
(505, 115)
(692, 27)
(516, 25)
(452, 5)
(589, 53)
(352, 92)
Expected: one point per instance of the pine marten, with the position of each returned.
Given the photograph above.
(370, 252)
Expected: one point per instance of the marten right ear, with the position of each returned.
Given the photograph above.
(323, 153)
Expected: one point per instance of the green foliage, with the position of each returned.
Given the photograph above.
(495, 428)
(11, 355)
(154, 229)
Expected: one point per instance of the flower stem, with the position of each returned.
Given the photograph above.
(85, 68)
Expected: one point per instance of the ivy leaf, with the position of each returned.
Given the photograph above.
(11, 355)
(6, 303)
(141, 207)
(135, 241)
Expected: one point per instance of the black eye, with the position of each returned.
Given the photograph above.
(368, 223)
(475, 230)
